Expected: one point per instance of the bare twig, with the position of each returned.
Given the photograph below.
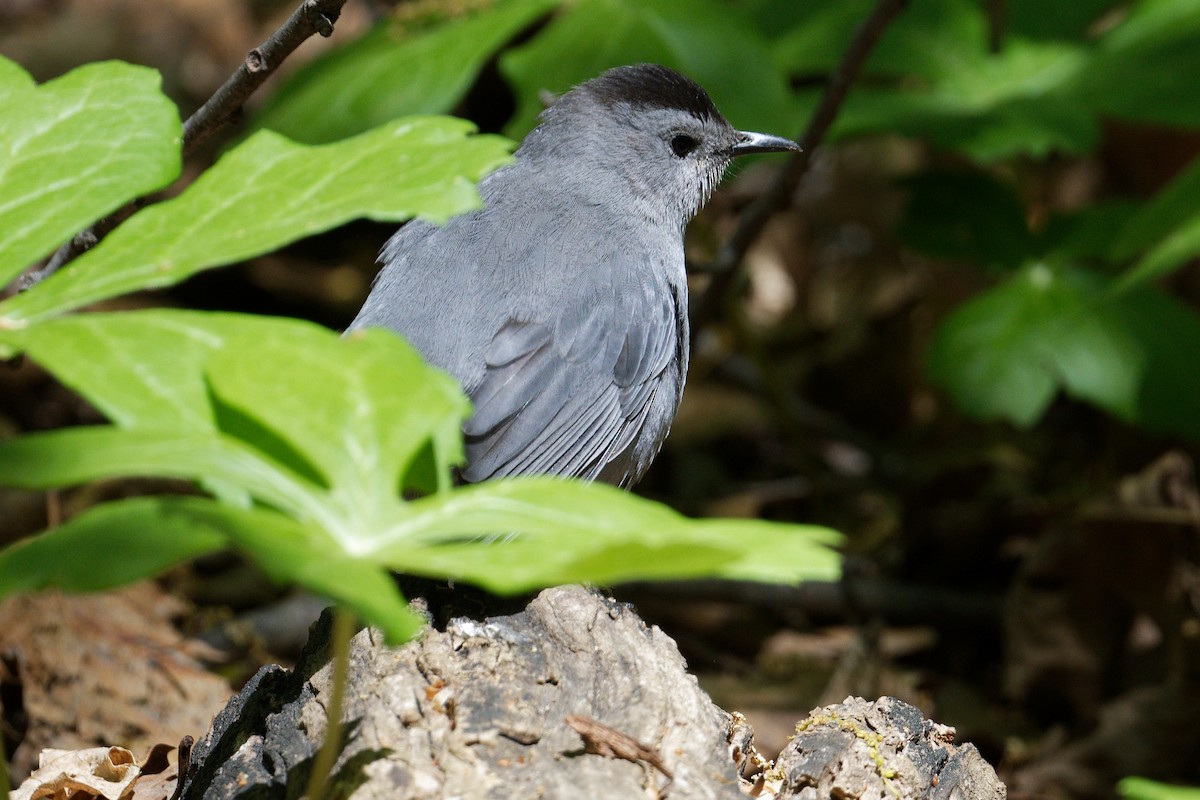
(599, 739)
(310, 17)
(725, 266)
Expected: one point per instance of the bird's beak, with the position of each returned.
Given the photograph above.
(749, 142)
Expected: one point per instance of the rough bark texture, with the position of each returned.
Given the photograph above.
(885, 749)
(573, 697)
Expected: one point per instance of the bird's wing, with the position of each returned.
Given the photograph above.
(570, 397)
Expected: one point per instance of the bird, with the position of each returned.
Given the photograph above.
(560, 305)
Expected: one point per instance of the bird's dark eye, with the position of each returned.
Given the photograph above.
(682, 144)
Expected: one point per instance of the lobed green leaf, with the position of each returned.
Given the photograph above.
(320, 434)
(1006, 353)
(107, 546)
(267, 192)
(75, 149)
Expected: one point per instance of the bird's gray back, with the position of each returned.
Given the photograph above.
(556, 319)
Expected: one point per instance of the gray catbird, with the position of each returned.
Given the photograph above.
(561, 305)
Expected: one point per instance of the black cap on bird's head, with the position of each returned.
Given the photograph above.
(656, 86)
(653, 86)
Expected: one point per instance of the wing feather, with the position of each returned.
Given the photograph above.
(573, 401)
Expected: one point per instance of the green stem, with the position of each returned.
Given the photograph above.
(339, 656)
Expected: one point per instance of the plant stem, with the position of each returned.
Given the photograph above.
(339, 656)
(725, 268)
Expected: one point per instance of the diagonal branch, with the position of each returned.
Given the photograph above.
(725, 268)
(310, 17)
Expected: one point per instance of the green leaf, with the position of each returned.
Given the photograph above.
(516, 534)
(72, 456)
(808, 38)
(288, 399)
(393, 72)
(1167, 230)
(780, 553)
(708, 41)
(968, 216)
(929, 38)
(292, 552)
(1168, 336)
(107, 546)
(359, 409)
(76, 148)
(1146, 789)
(988, 106)
(123, 541)
(142, 370)
(1144, 69)
(267, 192)
(1007, 352)
(933, 76)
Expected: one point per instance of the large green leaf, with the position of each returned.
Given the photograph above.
(1006, 353)
(525, 532)
(142, 370)
(320, 434)
(393, 72)
(989, 106)
(105, 547)
(711, 42)
(360, 410)
(76, 148)
(267, 192)
(929, 38)
(72, 456)
(933, 75)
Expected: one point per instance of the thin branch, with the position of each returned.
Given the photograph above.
(725, 267)
(310, 17)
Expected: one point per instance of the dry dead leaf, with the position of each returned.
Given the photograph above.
(98, 772)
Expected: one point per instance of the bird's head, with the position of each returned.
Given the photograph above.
(648, 128)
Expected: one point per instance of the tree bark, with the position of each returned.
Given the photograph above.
(573, 697)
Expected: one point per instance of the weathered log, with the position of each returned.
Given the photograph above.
(573, 697)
